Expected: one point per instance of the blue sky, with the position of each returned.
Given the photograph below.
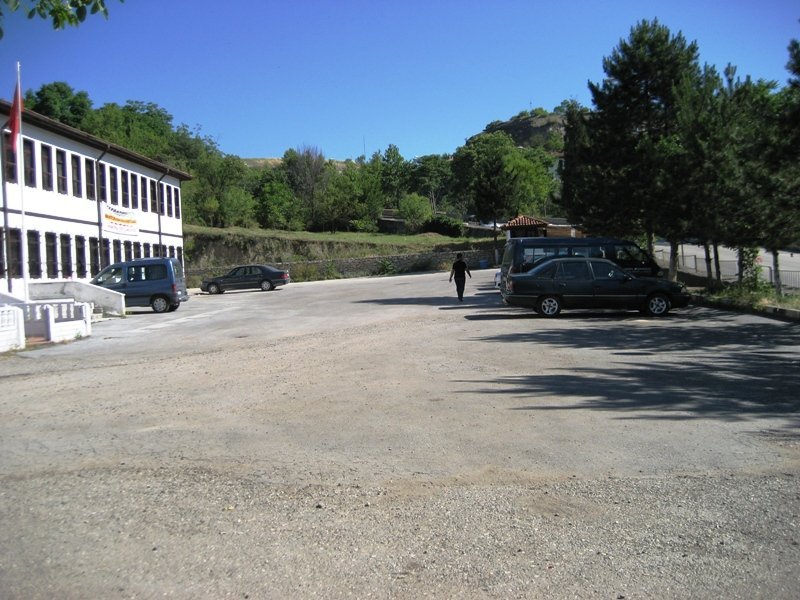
(352, 76)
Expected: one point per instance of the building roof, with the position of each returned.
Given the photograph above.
(48, 124)
(524, 221)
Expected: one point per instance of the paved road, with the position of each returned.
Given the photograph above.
(377, 438)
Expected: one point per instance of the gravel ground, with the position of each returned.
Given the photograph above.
(416, 456)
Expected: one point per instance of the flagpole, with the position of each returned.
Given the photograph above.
(20, 173)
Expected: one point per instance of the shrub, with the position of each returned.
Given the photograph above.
(386, 267)
(444, 226)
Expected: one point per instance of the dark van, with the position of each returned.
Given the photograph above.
(155, 282)
(522, 254)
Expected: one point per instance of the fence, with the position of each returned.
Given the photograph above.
(729, 269)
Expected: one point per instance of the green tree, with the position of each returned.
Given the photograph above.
(61, 13)
(59, 101)
(704, 151)
(415, 210)
(627, 175)
(783, 229)
(307, 174)
(276, 206)
(394, 174)
(143, 127)
(495, 176)
(372, 200)
(341, 198)
(237, 208)
(430, 176)
(210, 198)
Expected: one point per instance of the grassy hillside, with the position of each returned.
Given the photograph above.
(210, 248)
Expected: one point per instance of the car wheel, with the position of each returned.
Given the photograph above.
(657, 305)
(549, 306)
(160, 304)
(174, 307)
(266, 285)
(213, 288)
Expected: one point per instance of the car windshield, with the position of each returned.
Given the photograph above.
(110, 275)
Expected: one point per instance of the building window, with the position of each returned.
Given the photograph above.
(15, 253)
(47, 167)
(137, 250)
(101, 181)
(134, 191)
(61, 171)
(94, 256)
(126, 198)
(177, 203)
(169, 200)
(117, 251)
(34, 255)
(114, 184)
(105, 253)
(88, 169)
(66, 256)
(146, 251)
(153, 197)
(80, 256)
(50, 255)
(77, 187)
(10, 161)
(128, 251)
(161, 201)
(144, 193)
(29, 161)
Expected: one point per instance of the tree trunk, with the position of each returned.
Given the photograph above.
(651, 243)
(673, 260)
(709, 272)
(716, 264)
(740, 265)
(776, 270)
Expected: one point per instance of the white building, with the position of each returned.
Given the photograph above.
(82, 204)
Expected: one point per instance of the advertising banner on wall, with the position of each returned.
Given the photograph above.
(118, 220)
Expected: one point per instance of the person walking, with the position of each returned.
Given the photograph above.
(460, 271)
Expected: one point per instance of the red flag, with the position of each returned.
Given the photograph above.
(15, 118)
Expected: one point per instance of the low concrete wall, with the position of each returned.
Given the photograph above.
(12, 328)
(368, 266)
(57, 320)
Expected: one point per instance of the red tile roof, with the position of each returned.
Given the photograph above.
(524, 221)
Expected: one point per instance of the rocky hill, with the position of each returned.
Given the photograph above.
(531, 129)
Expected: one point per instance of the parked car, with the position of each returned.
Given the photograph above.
(246, 277)
(589, 283)
(522, 254)
(155, 282)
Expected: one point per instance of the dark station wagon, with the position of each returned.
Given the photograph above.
(246, 277)
(590, 283)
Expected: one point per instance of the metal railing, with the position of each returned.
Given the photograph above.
(729, 269)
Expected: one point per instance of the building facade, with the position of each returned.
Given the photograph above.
(73, 204)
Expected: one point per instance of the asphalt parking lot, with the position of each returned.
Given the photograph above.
(377, 438)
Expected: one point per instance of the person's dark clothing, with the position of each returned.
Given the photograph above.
(460, 269)
(459, 273)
